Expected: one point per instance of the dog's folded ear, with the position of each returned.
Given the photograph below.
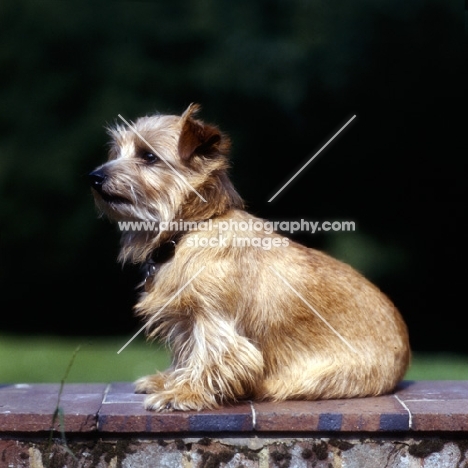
(198, 138)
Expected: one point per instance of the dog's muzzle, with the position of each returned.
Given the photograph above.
(97, 178)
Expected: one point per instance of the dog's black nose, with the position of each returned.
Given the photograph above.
(97, 178)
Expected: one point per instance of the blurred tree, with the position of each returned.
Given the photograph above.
(280, 77)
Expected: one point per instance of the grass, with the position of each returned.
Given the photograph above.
(442, 366)
(45, 359)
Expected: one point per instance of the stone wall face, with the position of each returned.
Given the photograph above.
(255, 452)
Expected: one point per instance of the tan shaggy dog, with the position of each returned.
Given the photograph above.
(247, 313)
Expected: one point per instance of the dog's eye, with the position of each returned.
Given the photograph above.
(149, 157)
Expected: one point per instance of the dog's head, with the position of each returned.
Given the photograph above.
(164, 168)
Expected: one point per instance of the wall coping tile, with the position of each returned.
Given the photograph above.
(414, 406)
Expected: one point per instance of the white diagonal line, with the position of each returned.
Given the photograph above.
(313, 310)
(155, 152)
(160, 310)
(410, 416)
(254, 415)
(311, 159)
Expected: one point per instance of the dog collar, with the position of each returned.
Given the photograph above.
(159, 256)
(164, 252)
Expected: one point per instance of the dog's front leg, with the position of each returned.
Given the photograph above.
(214, 365)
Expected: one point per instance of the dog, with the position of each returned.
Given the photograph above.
(262, 319)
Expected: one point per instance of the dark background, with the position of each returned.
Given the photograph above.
(281, 77)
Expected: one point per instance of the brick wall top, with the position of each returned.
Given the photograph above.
(114, 408)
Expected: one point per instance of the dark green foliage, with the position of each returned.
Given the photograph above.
(280, 77)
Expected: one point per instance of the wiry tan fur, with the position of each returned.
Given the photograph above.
(245, 327)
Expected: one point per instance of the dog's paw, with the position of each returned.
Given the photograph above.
(150, 383)
(178, 399)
